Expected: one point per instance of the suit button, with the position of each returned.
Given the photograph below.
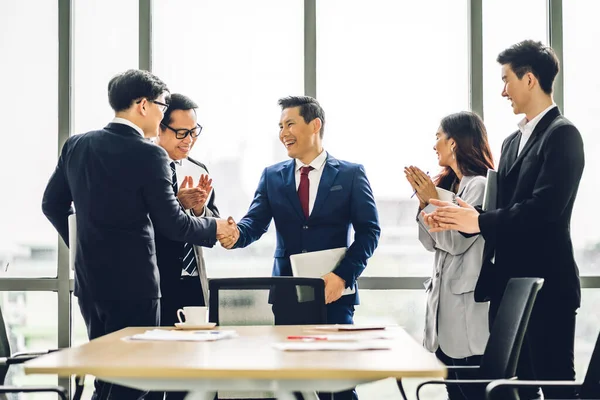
(305, 227)
(304, 251)
(180, 258)
(437, 275)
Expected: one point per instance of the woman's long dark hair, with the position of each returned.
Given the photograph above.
(472, 151)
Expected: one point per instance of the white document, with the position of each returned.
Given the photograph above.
(183, 336)
(316, 264)
(334, 346)
(72, 240)
(491, 191)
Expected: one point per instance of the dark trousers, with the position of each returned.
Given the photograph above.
(548, 350)
(462, 392)
(105, 316)
(299, 314)
(187, 293)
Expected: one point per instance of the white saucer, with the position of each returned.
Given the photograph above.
(197, 327)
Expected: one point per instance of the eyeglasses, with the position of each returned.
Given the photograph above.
(162, 106)
(183, 133)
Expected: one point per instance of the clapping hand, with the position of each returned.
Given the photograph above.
(422, 185)
(192, 197)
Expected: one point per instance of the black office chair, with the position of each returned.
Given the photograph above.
(7, 359)
(502, 351)
(588, 389)
(246, 301)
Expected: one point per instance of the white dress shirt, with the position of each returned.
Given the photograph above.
(527, 127)
(118, 120)
(314, 177)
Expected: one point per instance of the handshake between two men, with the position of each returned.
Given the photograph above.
(195, 197)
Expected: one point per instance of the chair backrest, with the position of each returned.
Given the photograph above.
(501, 354)
(590, 389)
(246, 301)
(4, 348)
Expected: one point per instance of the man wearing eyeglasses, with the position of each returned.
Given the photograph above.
(121, 186)
(182, 269)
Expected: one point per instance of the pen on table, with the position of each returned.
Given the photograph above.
(415, 192)
(307, 338)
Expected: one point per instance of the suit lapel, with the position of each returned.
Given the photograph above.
(330, 171)
(508, 159)
(289, 186)
(535, 136)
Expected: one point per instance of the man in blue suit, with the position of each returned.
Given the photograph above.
(314, 200)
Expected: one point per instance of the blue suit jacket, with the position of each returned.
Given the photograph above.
(344, 199)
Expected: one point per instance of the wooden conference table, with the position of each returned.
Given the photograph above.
(244, 363)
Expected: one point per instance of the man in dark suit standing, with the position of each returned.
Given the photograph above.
(181, 265)
(120, 184)
(314, 200)
(528, 235)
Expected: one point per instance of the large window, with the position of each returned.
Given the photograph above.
(387, 73)
(505, 22)
(99, 54)
(29, 135)
(31, 325)
(582, 88)
(235, 59)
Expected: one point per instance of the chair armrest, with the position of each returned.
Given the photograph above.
(20, 358)
(507, 383)
(453, 382)
(458, 368)
(59, 390)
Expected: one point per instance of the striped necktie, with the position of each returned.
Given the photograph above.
(190, 265)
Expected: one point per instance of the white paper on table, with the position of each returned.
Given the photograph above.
(333, 346)
(183, 336)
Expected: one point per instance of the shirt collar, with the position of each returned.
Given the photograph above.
(527, 127)
(119, 120)
(317, 163)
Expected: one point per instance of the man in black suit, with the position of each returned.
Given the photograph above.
(183, 280)
(120, 184)
(528, 235)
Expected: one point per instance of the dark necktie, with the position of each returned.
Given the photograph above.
(189, 258)
(303, 189)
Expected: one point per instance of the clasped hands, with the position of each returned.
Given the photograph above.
(448, 216)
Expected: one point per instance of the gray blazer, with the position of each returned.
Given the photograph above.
(453, 320)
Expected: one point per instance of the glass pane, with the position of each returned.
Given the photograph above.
(405, 308)
(382, 88)
(235, 69)
(31, 320)
(582, 86)
(28, 242)
(100, 51)
(529, 22)
(79, 337)
(586, 333)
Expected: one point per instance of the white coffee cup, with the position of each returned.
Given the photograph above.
(193, 315)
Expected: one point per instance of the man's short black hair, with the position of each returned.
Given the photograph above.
(178, 102)
(131, 85)
(309, 109)
(535, 57)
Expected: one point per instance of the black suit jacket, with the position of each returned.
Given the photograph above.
(169, 253)
(120, 184)
(529, 232)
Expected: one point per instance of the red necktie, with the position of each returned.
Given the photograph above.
(303, 189)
